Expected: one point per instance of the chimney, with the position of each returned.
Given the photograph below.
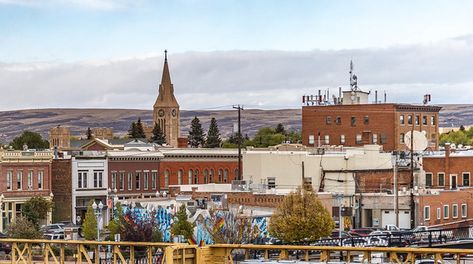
(376, 96)
(447, 150)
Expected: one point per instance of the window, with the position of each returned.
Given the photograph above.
(122, 180)
(438, 214)
(446, 211)
(271, 183)
(82, 179)
(40, 179)
(375, 138)
(19, 179)
(9, 179)
(189, 177)
(432, 120)
(311, 139)
(401, 138)
(401, 119)
(196, 176)
(466, 179)
(455, 211)
(426, 213)
(464, 210)
(237, 175)
(30, 179)
(353, 121)
(179, 177)
(211, 176)
(417, 120)
(206, 176)
(145, 180)
(338, 120)
(358, 139)
(130, 180)
(428, 179)
(98, 179)
(366, 120)
(424, 120)
(409, 119)
(328, 120)
(220, 175)
(441, 178)
(114, 180)
(327, 139)
(154, 179)
(384, 139)
(342, 139)
(225, 176)
(166, 178)
(137, 180)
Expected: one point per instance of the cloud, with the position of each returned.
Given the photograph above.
(89, 4)
(256, 79)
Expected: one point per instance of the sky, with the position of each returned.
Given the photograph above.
(259, 53)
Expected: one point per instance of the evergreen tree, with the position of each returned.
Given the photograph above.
(89, 133)
(213, 136)
(196, 134)
(140, 132)
(89, 227)
(280, 129)
(158, 135)
(132, 132)
(181, 226)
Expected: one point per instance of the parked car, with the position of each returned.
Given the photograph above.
(54, 236)
(362, 232)
(53, 228)
(336, 234)
(5, 247)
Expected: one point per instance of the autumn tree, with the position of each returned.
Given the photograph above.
(196, 134)
(31, 139)
(36, 209)
(301, 217)
(22, 228)
(140, 229)
(213, 136)
(158, 135)
(181, 226)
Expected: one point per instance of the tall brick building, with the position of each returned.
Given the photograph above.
(361, 123)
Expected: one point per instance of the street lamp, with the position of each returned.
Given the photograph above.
(98, 215)
(1, 211)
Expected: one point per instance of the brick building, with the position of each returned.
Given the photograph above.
(361, 124)
(61, 176)
(198, 166)
(24, 174)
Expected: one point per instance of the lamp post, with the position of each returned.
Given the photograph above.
(98, 214)
(114, 197)
(1, 212)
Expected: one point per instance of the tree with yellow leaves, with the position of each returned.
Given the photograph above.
(301, 217)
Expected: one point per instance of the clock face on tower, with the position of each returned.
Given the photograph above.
(161, 112)
(174, 112)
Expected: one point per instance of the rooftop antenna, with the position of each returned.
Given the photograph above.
(353, 79)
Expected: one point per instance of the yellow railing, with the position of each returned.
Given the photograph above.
(70, 251)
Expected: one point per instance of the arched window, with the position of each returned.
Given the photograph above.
(206, 175)
(236, 175)
(211, 176)
(220, 175)
(179, 177)
(166, 178)
(196, 176)
(189, 177)
(225, 176)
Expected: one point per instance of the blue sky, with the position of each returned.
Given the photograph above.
(230, 51)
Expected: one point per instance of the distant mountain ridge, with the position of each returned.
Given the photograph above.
(12, 123)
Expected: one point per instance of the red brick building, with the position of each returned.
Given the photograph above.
(24, 174)
(198, 166)
(448, 195)
(61, 175)
(360, 124)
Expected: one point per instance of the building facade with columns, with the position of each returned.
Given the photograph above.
(24, 174)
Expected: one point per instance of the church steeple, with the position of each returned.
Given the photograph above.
(166, 109)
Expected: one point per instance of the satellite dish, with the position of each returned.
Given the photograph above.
(420, 141)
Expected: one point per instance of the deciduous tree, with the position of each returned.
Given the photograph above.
(31, 139)
(181, 226)
(213, 136)
(22, 228)
(36, 209)
(301, 217)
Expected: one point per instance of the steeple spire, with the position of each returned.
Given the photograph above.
(166, 78)
(165, 55)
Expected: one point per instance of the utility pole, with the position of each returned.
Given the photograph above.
(239, 108)
(396, 190)
(413, 210)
